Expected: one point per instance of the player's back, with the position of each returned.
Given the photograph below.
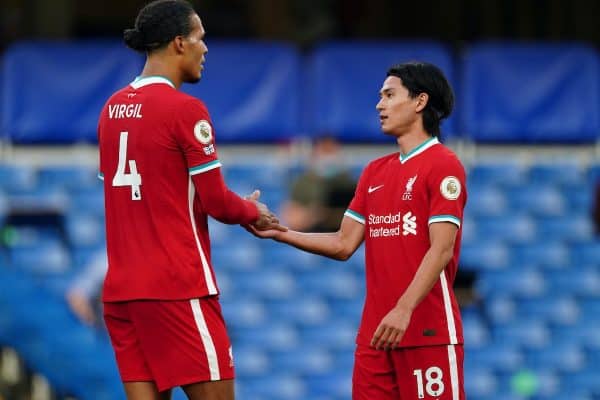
(157, 240)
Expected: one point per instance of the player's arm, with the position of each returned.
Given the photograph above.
(226, 206)
(392, 327)
(338, 245)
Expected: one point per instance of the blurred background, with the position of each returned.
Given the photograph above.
(292, 86)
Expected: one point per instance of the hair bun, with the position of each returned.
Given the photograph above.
(134, 39)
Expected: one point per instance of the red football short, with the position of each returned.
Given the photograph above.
(432, 372)
(171, 343)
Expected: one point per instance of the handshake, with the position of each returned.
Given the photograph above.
(267, 224)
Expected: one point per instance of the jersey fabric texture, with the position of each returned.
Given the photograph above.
(153, 139)
(397, 198)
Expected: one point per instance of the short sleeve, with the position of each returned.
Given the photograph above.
(357, 208)
(447, 191)
(195, 135)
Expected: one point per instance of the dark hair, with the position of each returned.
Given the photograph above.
(158, 23)
(419, 77)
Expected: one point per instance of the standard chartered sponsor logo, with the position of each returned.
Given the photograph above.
(393, 224)
(410, 224)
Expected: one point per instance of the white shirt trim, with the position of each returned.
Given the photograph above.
(419, 149)
(150, 80)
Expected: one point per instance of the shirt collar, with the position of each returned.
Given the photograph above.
(419, 149)
(149, 80)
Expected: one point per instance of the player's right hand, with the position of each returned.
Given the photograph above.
(266, 219)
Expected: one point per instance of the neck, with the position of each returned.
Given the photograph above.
(161, 66)
(409, 141)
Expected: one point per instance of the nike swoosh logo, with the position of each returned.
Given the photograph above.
(372, 189)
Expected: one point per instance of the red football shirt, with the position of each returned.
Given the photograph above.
(397, 198)
(152, 140)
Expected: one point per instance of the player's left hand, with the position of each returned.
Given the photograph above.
(391, 329)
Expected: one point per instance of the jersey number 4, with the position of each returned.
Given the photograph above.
(132, 179)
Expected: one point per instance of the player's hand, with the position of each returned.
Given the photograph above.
(266, 220)
(82, 307)
(391, 329)
(264, 234)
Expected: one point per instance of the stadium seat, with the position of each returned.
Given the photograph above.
(500, 308)
(513, 227)
(562, 357)
(544, 252)
(486, 200)
(529, 334)
(557, 309)
(584, 333)
(498, 356)
(581, 281)
(279, 385)
(335, 335)
(536, 199)
(278, 335)
(242, 311)
(251, 361)
(557, 173)
(67, 176)
(503, 173)
(475, 331)
(305, 310)
(307, 359)
(484, 255)
(47, 258)
(266, 283)
(570, 227)
(524, 282)
(84, 230)
(585, 253)
(480, 382)
(332, 283)
(17, 178)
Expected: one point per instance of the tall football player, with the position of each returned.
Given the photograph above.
(162, 178)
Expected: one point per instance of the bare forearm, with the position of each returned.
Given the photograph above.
(325, 244)
(427, 275)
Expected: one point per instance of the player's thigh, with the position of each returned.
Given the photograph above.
(145, 391)
(431, 372)
(217, 390)
(184, 341)
(373, 376)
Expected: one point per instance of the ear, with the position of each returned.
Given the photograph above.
(422, 100)
(178, 44)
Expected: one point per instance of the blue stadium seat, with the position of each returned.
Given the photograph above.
(266, 283)
(544, 252)
(242, 310)
(331, 282)
(513, 227)
(486, 200)
(582, 281)
(480, 381)
(561, 100)
(68, 176)
(307, 359)
(582, 380)
(48, 258)
(344, 104)
(524, 282)
(585, 333)
(88, 199)
(84, 230)
(279, 385)
(527, 333)
(500, 308)
(541, 200)
(557, 173)
(245, 255)
(30, 68)
(251, 361)
(274, 336)
(336, 334)
(17, 178)
(504, 173)
(475, 331)
(560, 357)
(570, 227)
(585, 253)
(484, 255)
(557, 309)
(305, 310)
(39, 198)
(498, 356)
(256, 103)
(579, 197)
(338, 384)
